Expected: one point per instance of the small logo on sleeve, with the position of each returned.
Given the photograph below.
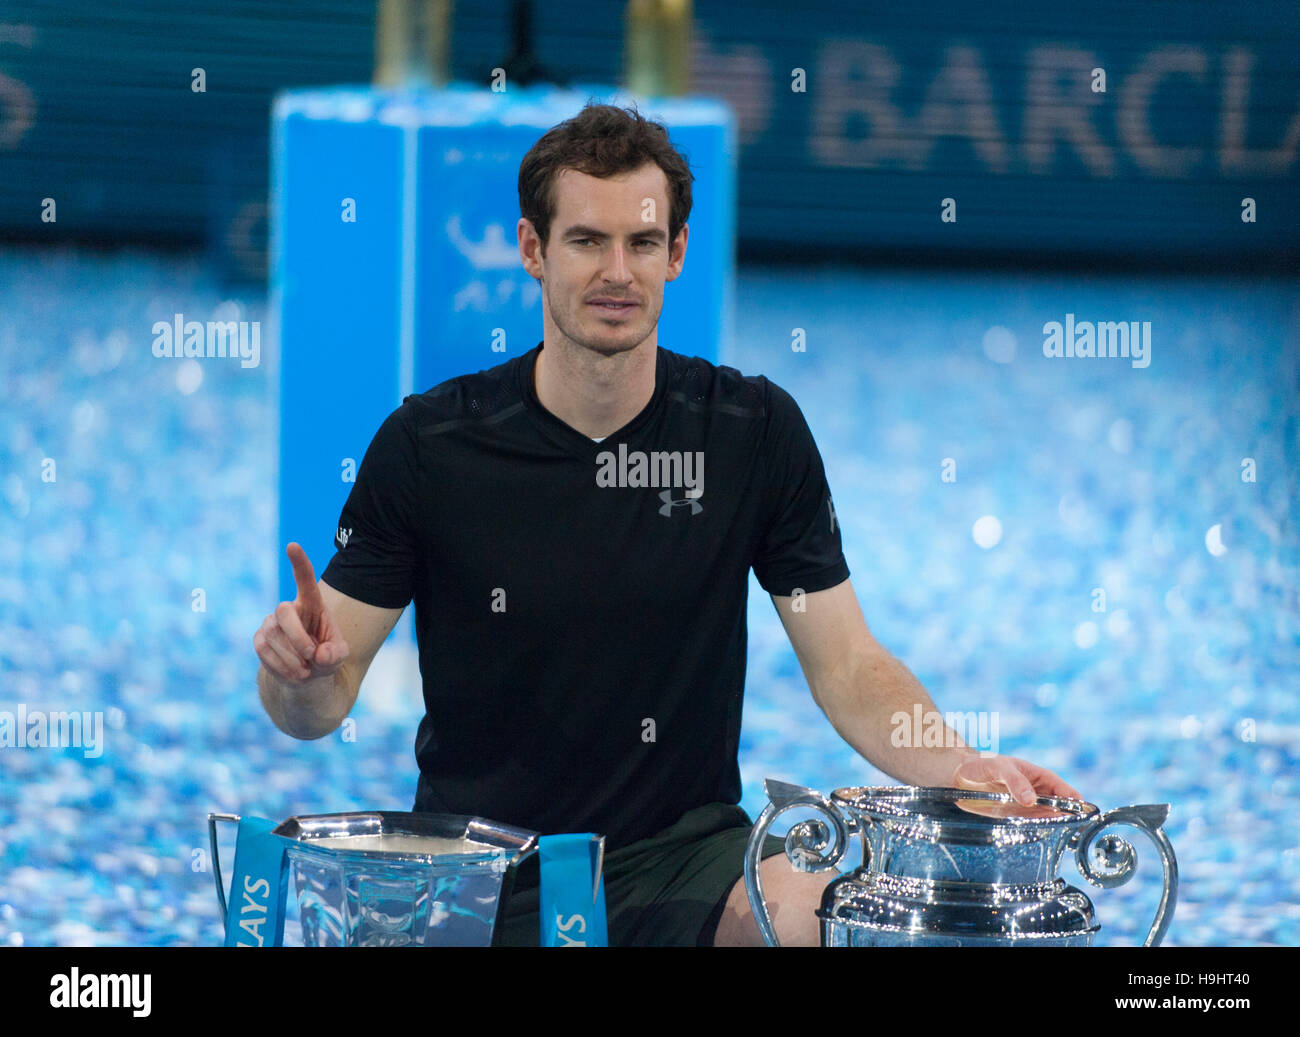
(343, 536)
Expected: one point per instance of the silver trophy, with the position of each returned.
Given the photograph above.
(389, 879)
(945, 867)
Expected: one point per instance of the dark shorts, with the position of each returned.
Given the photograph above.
(665, 891)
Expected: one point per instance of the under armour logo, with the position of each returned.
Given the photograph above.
(343, 536)
(667, 497)
(832, 511)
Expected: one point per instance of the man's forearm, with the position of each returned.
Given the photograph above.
(863, 706)
(309, 710)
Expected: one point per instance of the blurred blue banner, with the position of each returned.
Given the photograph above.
(1110, 130)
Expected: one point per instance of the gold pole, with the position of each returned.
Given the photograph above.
(437, 39)
(657, 47)
(413, 42)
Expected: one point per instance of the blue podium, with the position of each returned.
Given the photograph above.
(395, 265)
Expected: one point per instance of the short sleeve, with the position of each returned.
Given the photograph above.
(800, 544)
(375, 542)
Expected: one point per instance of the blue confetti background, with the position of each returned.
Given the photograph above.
(1071, 475)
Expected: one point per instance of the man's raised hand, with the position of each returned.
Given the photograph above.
(300, 641)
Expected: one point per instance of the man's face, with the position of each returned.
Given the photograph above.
(608, 243)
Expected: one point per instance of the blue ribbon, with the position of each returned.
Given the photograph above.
(572, 895)
(255, 912)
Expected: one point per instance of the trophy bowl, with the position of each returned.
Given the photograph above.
(393, 879)
(955, 867)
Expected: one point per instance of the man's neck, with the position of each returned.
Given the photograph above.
(592, 393)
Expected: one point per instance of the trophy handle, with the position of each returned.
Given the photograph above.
(1116, 857)
(804, 843)
(216, 859)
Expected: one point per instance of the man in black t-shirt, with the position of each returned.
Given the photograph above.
(575, 527)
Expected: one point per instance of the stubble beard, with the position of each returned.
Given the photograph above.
(572, 330)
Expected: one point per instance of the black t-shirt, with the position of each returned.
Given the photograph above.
(580, 605)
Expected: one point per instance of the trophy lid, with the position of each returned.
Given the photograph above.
(944, 811)
(407, 836)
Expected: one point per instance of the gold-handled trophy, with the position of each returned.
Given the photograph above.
(413, 43)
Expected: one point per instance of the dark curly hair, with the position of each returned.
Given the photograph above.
(602, 140)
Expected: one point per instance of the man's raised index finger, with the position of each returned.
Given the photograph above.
(303, 574)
